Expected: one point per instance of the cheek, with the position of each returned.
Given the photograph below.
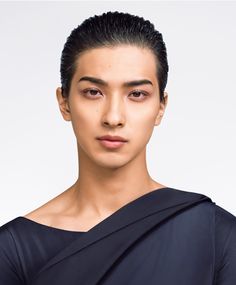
(144, 117)
(142, 125)
(83, 122)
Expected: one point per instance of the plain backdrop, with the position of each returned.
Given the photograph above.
(194, 147)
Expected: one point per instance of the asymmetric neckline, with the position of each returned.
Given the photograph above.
(79, 232)
(47, 227)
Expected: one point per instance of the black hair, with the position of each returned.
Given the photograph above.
(112, 29)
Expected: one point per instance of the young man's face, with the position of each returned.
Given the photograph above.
(113, 108)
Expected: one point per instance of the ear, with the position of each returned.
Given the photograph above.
(161, 109)
(63, 105)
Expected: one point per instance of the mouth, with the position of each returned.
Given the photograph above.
(111, 144)
(112, 138)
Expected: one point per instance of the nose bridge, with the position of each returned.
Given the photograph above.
(114, 110)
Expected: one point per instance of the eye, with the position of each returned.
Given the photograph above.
(90, 92)
(138, 92)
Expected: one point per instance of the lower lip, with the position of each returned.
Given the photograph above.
(112, 144)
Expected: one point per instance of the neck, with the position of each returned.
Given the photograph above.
(101, 190)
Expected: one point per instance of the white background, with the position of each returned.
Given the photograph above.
(194, 147)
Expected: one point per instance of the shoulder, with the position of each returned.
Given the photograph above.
(7, 242)
(225, 228)
(46, 213)
(225, 225)
(222, 225)
(223, 219)
(6, 239)
(10, 267)
(225, 243)
(225, 246)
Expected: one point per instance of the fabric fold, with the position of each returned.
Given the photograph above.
(90, 258)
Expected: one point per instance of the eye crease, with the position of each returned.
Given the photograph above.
(86, 91)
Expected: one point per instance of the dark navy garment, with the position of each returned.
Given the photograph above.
(165, 237)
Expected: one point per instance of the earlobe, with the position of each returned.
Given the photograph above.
(63, 104)
(165, 98)
(162, 109)
(159, 117)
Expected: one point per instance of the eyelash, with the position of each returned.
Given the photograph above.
(135, 91)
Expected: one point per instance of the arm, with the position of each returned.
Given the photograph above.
(225, 248)
(9, 262)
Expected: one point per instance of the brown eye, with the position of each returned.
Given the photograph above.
(137, 94)
(90, 92)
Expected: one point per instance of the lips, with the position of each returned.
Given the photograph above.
(108, 144)
(112, 138)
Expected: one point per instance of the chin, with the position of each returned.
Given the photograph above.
(109, 163)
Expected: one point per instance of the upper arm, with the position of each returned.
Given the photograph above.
(9, 271)
(226, 248)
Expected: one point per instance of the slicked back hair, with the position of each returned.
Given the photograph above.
(108, 30)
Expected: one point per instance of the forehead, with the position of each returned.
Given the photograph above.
(117, 63)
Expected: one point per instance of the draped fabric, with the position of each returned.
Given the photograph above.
(165, 237)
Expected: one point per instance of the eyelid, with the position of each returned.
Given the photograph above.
(144, 93)
(135, 90)
(141, 91)
(90, 89)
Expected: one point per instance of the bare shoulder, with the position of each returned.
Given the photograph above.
(59, 214)
(46, 213)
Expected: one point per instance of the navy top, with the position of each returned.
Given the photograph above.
(197, 244)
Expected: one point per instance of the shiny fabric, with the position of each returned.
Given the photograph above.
(165, 237)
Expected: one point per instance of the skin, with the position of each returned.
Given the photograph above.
(108, 179)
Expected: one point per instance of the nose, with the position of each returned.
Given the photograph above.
(114, 111)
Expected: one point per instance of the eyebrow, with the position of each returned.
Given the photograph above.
(125, 84)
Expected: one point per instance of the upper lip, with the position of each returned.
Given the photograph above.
(112, 138)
